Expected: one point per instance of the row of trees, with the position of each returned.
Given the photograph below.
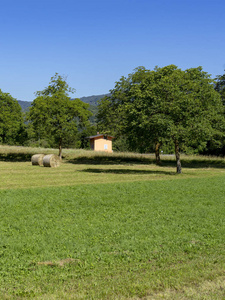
(52, 120)
(149, 110)
(166, 106)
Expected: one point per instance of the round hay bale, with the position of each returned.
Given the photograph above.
(51, 160)
(37, 159)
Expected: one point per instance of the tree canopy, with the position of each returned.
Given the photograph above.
(11, 120)
(53, 114)
(162, 105)
(220, 86)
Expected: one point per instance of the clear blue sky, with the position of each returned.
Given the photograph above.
(95, 42)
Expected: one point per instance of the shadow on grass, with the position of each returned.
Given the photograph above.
(106, 160)
(15, 157)
(127, 171)
(195, 163)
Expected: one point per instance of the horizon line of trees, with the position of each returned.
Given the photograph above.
(149, 110)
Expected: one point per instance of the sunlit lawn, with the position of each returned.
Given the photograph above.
(24, 175)
(121, 230)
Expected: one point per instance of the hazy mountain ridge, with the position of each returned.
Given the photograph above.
(24, 104)
(92, 100)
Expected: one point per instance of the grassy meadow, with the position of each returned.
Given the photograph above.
(111, 226)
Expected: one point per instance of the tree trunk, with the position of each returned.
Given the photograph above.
(157, 156)
(60, 148)
(178, 157)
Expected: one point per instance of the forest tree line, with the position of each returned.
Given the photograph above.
(149, 110)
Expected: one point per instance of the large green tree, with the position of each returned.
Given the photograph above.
(11, 120)
(129, 112)
(164, 105)
(114, 113)
(190, 105)
(54, 115)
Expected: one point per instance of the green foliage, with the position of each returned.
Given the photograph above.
(94, 110)
(11, 120)
(220, 86)
(53, 114)
(164, 105)
(84, 142)
(112, 116)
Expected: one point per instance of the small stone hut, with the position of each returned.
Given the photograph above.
(101, 142)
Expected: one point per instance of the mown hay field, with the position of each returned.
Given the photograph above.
(111, 227)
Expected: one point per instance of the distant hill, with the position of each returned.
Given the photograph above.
(24, 104)
(92, 100)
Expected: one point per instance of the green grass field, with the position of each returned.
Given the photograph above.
(111, 227)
